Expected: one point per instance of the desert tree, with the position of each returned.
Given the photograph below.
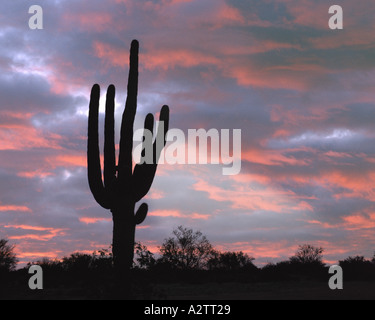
(230, 261)
(307, 255)
(8, 258)
(186, 249)
(144, 258)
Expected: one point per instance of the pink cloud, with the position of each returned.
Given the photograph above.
(259, 249)
(5, 208)
(35, 254)
(87, 21)
(359, 184)
(356, 222)
(359, 222)
(156, 194)
(169, 59)
(244, 196)
(166, 213)
(17, 135)
(293, 76)
(199, 216)
(91, 220)
(46, 234)
(158, 58)
(110, 55)
(68, 160)
(273, 157)
(34, 174)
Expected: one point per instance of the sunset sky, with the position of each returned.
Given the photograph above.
(302, 94)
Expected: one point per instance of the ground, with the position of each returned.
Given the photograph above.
(296, 290)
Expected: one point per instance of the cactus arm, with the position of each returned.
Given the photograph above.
(93, 153)
(141, 214)
(109, 140)
(148, 137)
(144, 173)
(126, 135)
(162, 132)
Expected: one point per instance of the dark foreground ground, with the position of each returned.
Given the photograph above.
(214, 291)
(182, 287)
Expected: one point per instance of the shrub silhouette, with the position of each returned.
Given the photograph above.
(358, 268)
(145, 258)
(281, 271)
(122, 187)
(8, 259)
(102, 260)
(308, 262)
(48, 265)
(308, 255)
(231, 261)
(8, 263)
(186, 250)
(77, 262)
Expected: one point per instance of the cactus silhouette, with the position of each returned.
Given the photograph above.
(123, 187)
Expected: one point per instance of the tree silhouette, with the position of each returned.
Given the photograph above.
(358, 268)
(186, 249)
(77, 262)
(8, 259)
(308, 254)
(230, 261)
(122, 187)
(144, 258)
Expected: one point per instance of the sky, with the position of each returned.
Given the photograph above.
(302, 94)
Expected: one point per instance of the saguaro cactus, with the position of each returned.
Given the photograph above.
(123, 187)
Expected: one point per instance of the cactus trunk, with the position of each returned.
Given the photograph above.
(123, 238)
